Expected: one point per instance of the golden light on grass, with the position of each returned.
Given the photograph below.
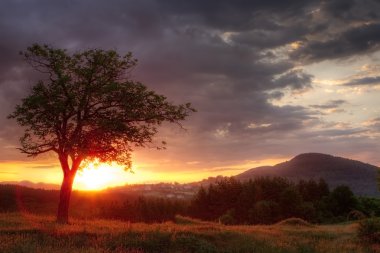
(337, 238)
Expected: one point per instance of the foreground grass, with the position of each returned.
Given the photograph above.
(28, 233)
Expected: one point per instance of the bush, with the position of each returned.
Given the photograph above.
(369, 230)
(227, 218)
(356, 215)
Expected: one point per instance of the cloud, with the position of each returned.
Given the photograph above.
(354, 41)
(231, 59)
(263, 39)
(371, 80)
(332, 104)
(8, 173)
(50, 166)
(295, 79)
(350, 11)
(239, 15)
(373, 125)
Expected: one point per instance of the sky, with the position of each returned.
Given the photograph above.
(269, 79)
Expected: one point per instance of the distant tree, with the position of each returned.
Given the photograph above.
(290, 202)
(88, 108)
(199, 206)
(323, 188)
(342, 200)
(264, 212)
(309, 190)
(369, 206)
(245, 201)
(271, 188)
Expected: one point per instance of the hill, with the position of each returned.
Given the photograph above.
(32, 185)
(361, 177)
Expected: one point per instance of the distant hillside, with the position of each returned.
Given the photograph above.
(360, 177)
(29, 184)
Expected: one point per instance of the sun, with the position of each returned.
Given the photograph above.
(99, 176)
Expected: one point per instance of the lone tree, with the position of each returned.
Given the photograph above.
(88, 108)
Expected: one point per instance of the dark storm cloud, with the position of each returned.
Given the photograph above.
(373, 80)
(339, 8)
(269, 38)
(347, 28)
(357, 40)
(238, 15)
(218, 54)
(352, 10)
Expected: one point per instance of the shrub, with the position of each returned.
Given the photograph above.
(356, 215)
(227, 218)
(369, 230)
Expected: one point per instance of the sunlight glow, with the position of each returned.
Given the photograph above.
(98, 176)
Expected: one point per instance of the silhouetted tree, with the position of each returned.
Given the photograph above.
(290, 202)
(342, 201)
(88, 108)
(264, 212)
(199, 206)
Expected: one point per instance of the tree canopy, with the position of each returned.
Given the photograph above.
(88, 107)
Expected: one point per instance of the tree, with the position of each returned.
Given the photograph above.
(89, 108)
(342, 200)
(290, 201)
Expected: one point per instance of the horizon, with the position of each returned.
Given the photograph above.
(269, 80)
(81, 184)
(119, 177)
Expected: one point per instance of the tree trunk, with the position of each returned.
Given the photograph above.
(64, 198)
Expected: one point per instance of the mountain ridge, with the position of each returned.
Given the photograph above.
(359, 176)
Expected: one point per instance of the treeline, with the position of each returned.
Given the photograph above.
(91, 205)
(269, 200)
(259, 201)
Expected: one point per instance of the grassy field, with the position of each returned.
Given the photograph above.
(24, 233)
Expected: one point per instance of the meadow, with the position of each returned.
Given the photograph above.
(26, 233)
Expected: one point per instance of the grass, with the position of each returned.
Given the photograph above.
(25, 233)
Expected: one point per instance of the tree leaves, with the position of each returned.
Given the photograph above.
(89, 108)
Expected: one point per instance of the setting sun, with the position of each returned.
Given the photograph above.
(96, 176)
(99, 176)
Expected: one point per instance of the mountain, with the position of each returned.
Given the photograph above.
(361, 177)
